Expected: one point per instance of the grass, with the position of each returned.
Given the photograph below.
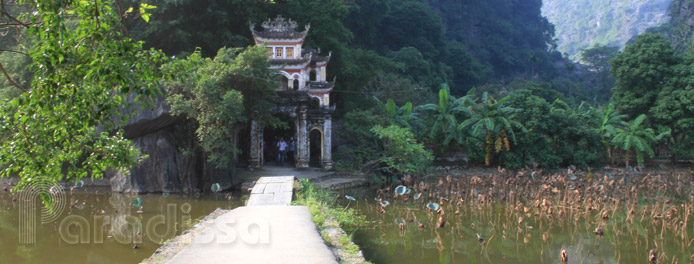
(323, 205)
(326, 213)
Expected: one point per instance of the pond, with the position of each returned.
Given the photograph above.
(522, 218)
(102, 227)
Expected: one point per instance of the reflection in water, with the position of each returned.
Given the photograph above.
(105, 228)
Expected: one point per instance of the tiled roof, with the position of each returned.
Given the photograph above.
(316, 55)
(321, 85)
(280, 34)
(277, 62)
(279, 28)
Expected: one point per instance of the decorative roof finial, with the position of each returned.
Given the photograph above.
(279, 24)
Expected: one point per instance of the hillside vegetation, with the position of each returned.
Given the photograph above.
(581, 24)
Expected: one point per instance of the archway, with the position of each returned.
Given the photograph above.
(316, 148)
(284, 83)
(296, 84)
(271, 136)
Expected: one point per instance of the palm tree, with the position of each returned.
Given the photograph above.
(492, 122)
(637, 137)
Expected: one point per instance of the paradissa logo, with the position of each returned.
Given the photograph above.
(38, 190)
(47, 199)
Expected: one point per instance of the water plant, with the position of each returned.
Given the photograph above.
(510, 208)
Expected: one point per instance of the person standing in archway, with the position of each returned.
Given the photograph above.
(292, 145)
(282, 146)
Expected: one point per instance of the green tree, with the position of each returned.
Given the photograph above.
(606, 121)
(674, 107)
(637, 137)
(399, 116)
(492, 122)
(233, 87)
(442, 122)
(179, 27)
(598, 59)
(641, 71)
(66, 125)
(557, 134)
(401, 152)
(360, 145)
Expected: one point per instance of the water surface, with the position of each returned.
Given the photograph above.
(124, 239)
(406, 231)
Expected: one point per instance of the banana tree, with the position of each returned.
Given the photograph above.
(637, 137)
(399, 115)
(492, 123)
(605, 123)
(443, 121)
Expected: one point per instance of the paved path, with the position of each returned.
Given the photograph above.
(272, 171)
(325, 179)
(272, 191)
(267, 230)
(291, 238)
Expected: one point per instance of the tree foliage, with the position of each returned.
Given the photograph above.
(233, 87)
(640, 72)
(66, 125)
(401, 152)
(636, 137)
(491, 121)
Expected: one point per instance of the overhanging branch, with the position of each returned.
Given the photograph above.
(10, 79)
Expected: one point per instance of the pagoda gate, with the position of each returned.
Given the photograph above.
(303, 93)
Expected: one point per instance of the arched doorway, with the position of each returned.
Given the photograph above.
(296, 84)
(272, 135)
(284, 83)
(315, 148)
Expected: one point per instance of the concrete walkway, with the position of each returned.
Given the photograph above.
(267, 230)
(273, 171)
(325, 179)
(272, 191)
(277, 234)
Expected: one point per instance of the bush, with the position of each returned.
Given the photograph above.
(358, 145)
(401, 152)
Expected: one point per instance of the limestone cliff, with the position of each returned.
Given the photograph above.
(582, 23)
(175, 163)
(680, 29)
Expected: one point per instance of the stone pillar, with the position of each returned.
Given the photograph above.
(255, 159)
(327, 145)
(301, 151)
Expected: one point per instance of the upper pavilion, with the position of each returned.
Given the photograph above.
(304, 70)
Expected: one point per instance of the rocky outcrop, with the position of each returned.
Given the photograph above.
(584, 23)
(175, 163)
